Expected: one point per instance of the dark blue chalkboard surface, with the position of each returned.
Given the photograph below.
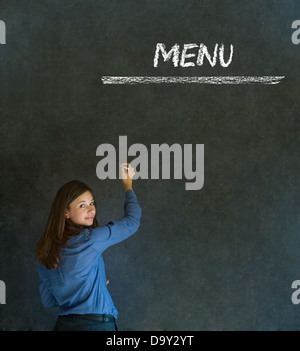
(203, 98)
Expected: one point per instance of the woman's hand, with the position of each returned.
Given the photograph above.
(127, 173)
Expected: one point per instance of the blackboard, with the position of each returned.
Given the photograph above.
(222, 257)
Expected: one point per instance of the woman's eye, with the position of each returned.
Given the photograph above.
(81, 206)
(92, 204)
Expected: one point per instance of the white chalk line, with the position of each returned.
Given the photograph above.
(188, 80)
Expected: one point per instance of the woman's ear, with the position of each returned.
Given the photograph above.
(67, 214)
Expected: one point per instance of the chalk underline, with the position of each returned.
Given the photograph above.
(188, 80)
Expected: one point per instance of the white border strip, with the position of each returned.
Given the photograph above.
(199, 80)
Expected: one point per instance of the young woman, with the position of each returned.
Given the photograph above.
(69, 256)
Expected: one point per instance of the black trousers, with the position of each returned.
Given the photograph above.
(79, 323)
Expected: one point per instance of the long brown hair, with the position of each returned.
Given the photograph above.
(58, 229)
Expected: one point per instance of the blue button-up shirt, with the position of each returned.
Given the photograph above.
(78, 286)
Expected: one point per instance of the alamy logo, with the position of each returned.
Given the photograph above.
(295, 295)
(2, 293)
(296, 34)
(183, 161)
(2, 33)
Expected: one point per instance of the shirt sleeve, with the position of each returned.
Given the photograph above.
(119, 230)
(47, 298)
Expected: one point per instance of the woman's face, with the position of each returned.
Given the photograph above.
(82, 210)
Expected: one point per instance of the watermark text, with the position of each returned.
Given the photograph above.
(2, 32)
(2, 293)
(187, 163)
(296, 34)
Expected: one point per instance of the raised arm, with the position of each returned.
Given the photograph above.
(127, 172)
(119, 230)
